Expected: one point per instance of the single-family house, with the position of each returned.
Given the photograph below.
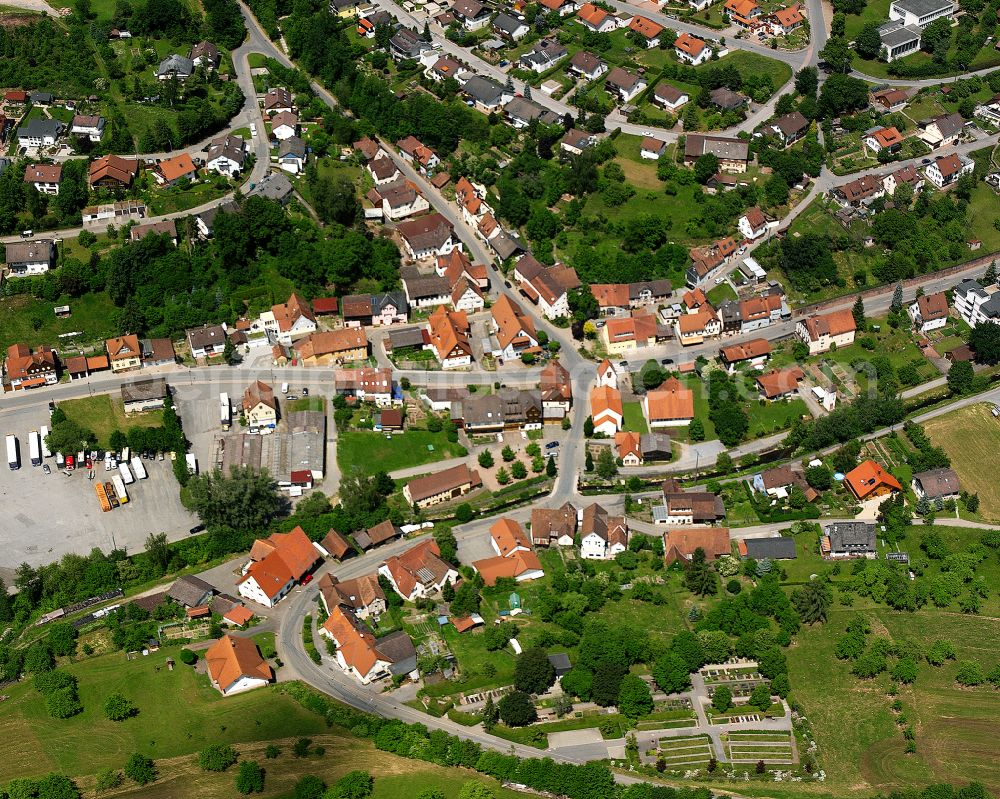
(206, 341)
(175, 67)
(947, 169)
(694, 328)
(367, 384)
(543, 56)
(733, 154)
(595, 19)
(292, 155)
(586, 65)
(680, 507)
(33, 257)
(652, 148)
(607, 375)
(44, 177)
(234, 665)
(260, 408)
(90, 127)
(428, 236)
(790, 127)
(941, 131)
(936, 484)
(205, 54)
(646, 30)
(362, 655)
(691, 49)
(513, 328)
(278, 100)
(448, 338)
(284, 125)
(553, 526)
(419, 572)
(888, 139)
(848, 540)
(362, 595)
(170, 171)
(869, 480)
(929, 311)
(472, 14)
(779, 383)
(753, 223)
(668, 97)
(510, 28)
(777, 548)
(556, 388)
(602, 536)
(629, 448)
(276, 564)
(124, 353)
(681, 542)
(624, 85)
(112, 172)
(226, 155)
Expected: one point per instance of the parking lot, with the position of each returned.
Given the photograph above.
(49, 515)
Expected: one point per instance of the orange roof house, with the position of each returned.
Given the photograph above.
(606, 410)
(520, 566)
(629, 448)
(171, 170)
(690, 45)
(507, 537)
(670, 405)
(277, 563)
(645, 27)
(449, 336)
(591, 16)
(789, 18)
(885, 138)
(779, 382)
(235, 665)
(418, 572)
(681, 542)
(870, 480)
(357, 649)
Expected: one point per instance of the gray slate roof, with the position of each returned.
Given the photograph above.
(782, 548)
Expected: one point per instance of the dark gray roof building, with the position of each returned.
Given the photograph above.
(782, 548)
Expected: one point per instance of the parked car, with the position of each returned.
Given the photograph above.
(305, 391)
(198, 528)
(552, 445)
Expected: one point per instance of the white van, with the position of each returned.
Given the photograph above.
(284, 388)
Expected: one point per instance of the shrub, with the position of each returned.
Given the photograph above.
(970, 673)
(250, 778)
(188, 658)
(118, 708)
(517, 709)
(309, 787)
(216, 757)
(353, 785)
(140, 768)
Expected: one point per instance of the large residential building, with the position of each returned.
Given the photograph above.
(733, 154)
(428, 237)
(920, 13)
(976, 304)
(333, 347)
(628, 333)
(25, 368)
(553, 526)
(441, 486)
(820, 332)
(276, 564)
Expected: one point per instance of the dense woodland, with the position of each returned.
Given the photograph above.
(161, 290)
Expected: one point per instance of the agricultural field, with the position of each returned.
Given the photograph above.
(971, 437)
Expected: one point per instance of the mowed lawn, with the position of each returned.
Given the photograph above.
(971, 437)
(103, 413)
(179, 713)
(774, 416)
(369, 452)
(861, 746)
(634, 420)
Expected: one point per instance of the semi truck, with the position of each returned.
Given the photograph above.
(120, 491)
(45, 446)
(138, 468)
(102, 496)
(35, 448)
(126, 475)
(13, 458)
(225, 411)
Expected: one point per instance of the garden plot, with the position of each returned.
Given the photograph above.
(679, 753)
(750, 746)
